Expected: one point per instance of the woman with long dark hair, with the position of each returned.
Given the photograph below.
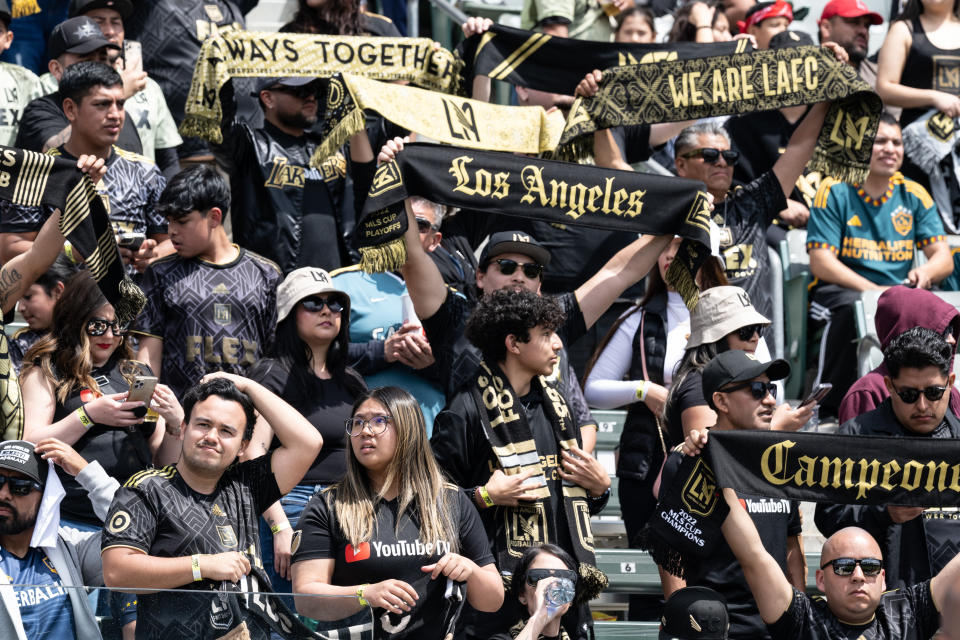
(545, 585)
(308, 370)
(392, 531)
(338, 18)
(74, 381)
(919, 59)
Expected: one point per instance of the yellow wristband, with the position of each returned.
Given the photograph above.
(84, 418)
(641, 393)
(363, 603)
(195, 563)
(485, 496)
(277, 528)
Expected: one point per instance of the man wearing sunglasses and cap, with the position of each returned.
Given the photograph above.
(47, 566)
(917, 543)
(284, 209)
(741, 390)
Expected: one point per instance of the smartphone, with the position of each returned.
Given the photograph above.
(132, 55)
(818, 394)
(131, 240)
(141, 390)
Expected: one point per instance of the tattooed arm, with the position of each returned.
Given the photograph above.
(57, 139)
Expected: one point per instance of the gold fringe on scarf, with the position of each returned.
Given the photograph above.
(23, 8)
(251, 54)
(470, 124)
(383, 257)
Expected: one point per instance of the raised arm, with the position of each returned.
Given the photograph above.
(941, 583)
(800, 148)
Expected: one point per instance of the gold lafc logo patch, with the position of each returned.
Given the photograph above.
(941, 126)
(386, 178)
(227, 535)
(902, 220)
(461, 120)
(221, 313)
(853, 130)
(699, 215)
(699, 494)
(526, 527)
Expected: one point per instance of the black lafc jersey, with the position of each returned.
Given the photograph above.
(129, 189)
(211, 317)
(158, 513)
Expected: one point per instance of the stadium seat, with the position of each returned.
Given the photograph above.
(776, 296)
(795, 265)
(626, 630)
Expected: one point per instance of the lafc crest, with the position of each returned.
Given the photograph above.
(386, 178)
(941, 126)
(700, 494)
(902, 220)
(848, 132)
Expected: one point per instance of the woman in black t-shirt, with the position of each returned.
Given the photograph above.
(308, 370)
(385, 536)
(73, 389)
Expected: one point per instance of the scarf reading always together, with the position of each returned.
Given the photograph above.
(249, 54)
(511, 439)
(837, 469)
(741, 83)
(34, 179)
(472, 124)
(550, 63)
(558, 192)
(931, 142)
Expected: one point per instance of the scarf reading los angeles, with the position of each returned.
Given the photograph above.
(839, 469)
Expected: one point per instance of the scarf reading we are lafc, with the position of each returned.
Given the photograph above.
(33, 179)
(557, 192)
(449, 119)
(816, 467)
(511, 439)
(677, 90)
(250, 54)
(551, 63)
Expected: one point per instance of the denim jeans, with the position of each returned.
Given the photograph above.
(293, 505)
(121, 606)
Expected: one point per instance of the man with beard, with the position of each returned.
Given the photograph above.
(847, 22)
(38, 560)
(284, 209)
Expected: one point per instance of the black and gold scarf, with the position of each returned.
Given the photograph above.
(558, 192)
(34, 179)
(472, 124)
(511, 439)
(670, 91)
(248, 54)
(550, 63)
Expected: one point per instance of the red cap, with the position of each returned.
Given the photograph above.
(849, 9)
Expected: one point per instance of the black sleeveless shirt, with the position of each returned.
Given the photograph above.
(928, 67)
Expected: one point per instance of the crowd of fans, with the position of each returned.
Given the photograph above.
(411, 454)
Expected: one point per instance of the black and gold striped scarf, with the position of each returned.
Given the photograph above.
(511, 439)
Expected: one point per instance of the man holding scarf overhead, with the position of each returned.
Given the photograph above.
(544, 487)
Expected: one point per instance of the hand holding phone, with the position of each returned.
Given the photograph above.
(818, 394)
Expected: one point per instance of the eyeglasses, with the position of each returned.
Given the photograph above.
(96, 327)
(846, 566)
(303, 92)
(747, 333)
(758, 389)
(536, 575)
(530, 269)
(712, 156)
(378, 424)
(911, 395)
(424, 225)
(21, 486)
(314, 304)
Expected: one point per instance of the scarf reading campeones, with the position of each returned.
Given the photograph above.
(511, 439)
(34, 179)
(248, 54)
(838, 469)
(556, 192)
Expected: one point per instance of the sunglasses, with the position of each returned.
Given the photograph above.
(747, 333)
(21, 486)
(530, 269)
(424, 225)
(314, 304)
(910, 395)
(536, 575)
(712, 156)
(758, 389)
(378, 424)
(846, 566)
(303, 92)
(96, 327)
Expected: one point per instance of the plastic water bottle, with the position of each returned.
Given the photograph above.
(559, 593)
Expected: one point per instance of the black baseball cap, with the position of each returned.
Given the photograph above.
(738, 366)
(80, 7)
(514, 242)
(5, 14)
(266, 83)
(19, 455)
(790, 38)
(695, 613)
(80, 35)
